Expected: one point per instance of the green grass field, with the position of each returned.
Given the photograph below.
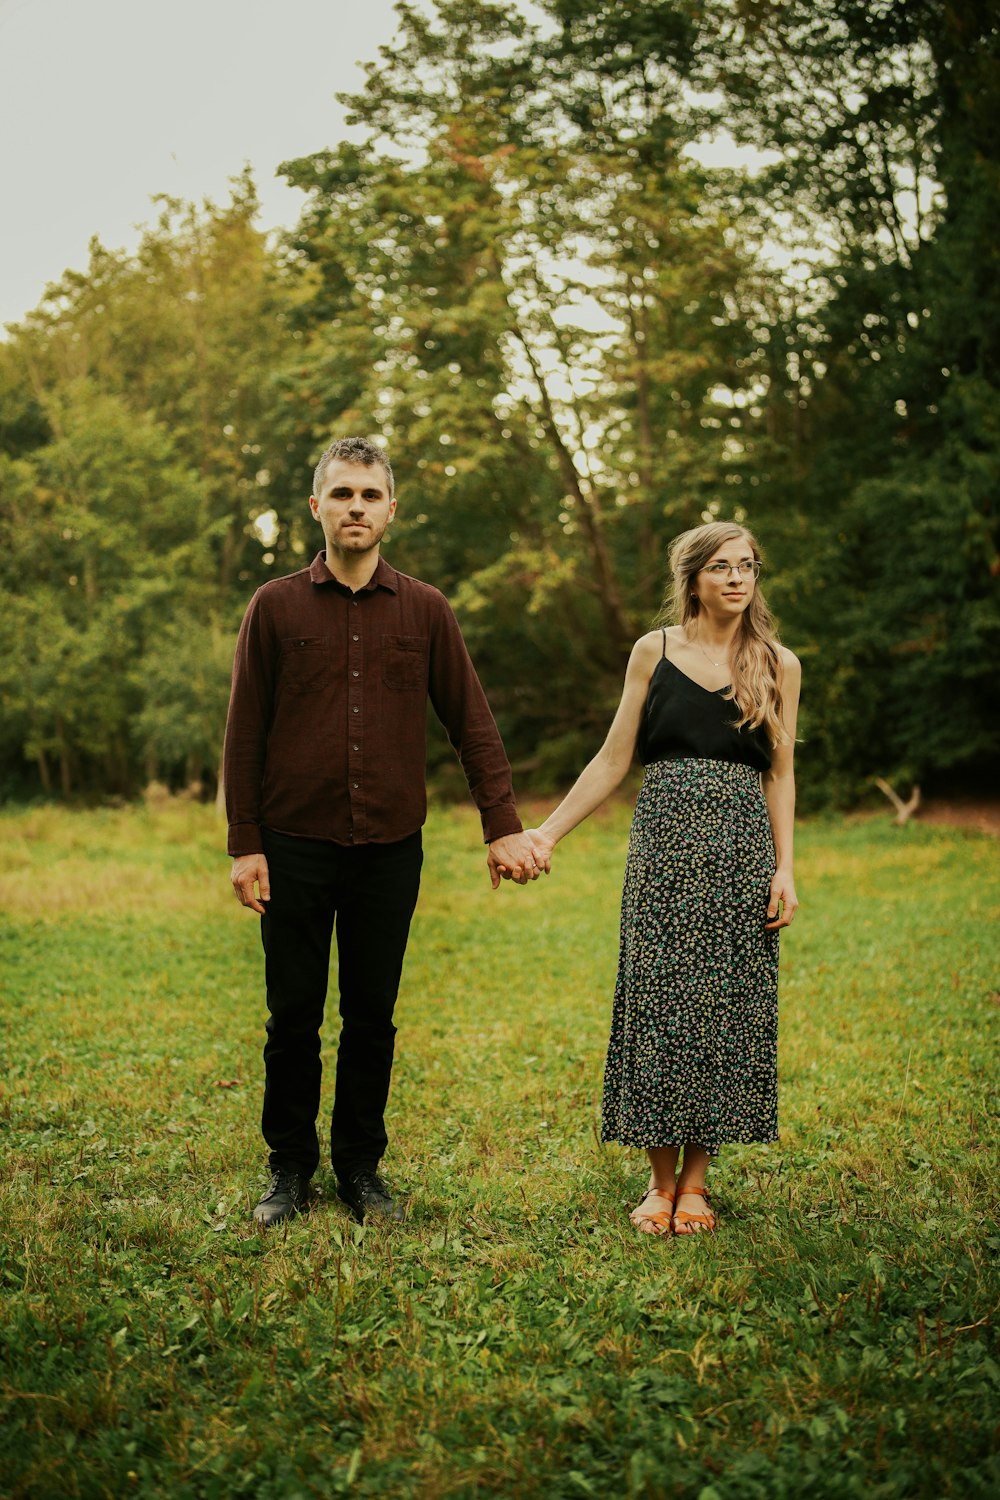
(515, 1336)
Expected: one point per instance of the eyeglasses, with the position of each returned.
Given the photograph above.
(748, 568)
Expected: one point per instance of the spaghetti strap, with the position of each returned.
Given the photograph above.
(663, 632)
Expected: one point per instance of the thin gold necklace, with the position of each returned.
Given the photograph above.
(705, 654)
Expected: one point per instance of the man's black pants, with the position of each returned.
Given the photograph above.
(371, 890)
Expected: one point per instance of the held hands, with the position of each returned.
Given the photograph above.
(783, 893)
(519, 857)
(543, 847)
(248, 868)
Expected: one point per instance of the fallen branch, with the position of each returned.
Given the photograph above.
(904, 810)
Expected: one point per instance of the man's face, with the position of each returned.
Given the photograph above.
(353, 506)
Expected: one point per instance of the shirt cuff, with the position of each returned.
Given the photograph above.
(499, 821)
(245, 838)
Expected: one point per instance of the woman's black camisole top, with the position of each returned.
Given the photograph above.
(683, 720)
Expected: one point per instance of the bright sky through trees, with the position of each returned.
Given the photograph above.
(107, 104)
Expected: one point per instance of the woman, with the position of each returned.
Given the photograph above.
(711, 702)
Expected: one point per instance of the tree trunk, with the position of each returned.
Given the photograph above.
(616, 619)
(647, 542)
(65, 776)
(44, 774)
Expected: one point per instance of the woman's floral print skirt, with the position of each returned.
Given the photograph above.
(693, 1050)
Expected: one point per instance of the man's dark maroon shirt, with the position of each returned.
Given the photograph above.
(326, 736)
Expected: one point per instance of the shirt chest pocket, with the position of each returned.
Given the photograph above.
(404, 662)
(303, 663)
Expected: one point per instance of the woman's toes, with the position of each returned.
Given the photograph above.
(652, 1215)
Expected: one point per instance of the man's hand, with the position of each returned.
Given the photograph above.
(514, 858)
(248, 868)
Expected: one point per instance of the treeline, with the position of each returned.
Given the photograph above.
(576, 339)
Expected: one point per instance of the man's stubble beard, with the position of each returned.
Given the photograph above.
(364, 543)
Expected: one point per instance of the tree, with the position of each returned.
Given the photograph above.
(100, 541)
(195, 329)
(540, 305)
(888, 168)
(144, 413)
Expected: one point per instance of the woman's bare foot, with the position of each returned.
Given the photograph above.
(654, 1214)
(692, 1212)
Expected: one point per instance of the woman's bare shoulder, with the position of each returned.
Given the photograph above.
(790, 664)
(653, 639)
(646, 653)
(649, 647)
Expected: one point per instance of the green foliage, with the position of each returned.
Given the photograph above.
(184, 677)
(515, 1336)
(139, 467)
(577, 340)
(98, 534)
(194, 330)
(890, 586)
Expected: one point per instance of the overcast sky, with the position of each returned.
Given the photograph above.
(105, 102)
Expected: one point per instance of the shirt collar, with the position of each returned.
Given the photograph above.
(383, 577)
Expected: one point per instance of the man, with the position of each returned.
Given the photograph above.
(324, 769)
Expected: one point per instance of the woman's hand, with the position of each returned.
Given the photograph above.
(543, 847)
(513, 858)
(783, 896)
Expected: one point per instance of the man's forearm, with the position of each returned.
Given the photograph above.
(247, 723)
(243, 756)
(461, 705)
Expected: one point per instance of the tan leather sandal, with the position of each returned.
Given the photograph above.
(682, 1219)
(662, 1220)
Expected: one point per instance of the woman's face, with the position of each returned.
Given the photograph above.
(725, 584)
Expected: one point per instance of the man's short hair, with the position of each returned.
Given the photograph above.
(353, 450)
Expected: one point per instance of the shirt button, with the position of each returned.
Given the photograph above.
(354, 603)
(355, 674)
(355, 747)
(354, 784)
(355, 637)
(355, 710)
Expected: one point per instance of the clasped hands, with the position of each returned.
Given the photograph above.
(519, 857)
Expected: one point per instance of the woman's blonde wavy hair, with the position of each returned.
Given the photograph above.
(755, 661)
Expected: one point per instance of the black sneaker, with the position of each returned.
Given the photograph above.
(286, 1196)
(367, 1195)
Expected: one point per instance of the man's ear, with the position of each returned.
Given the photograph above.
(392, 507)
(314, 506)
